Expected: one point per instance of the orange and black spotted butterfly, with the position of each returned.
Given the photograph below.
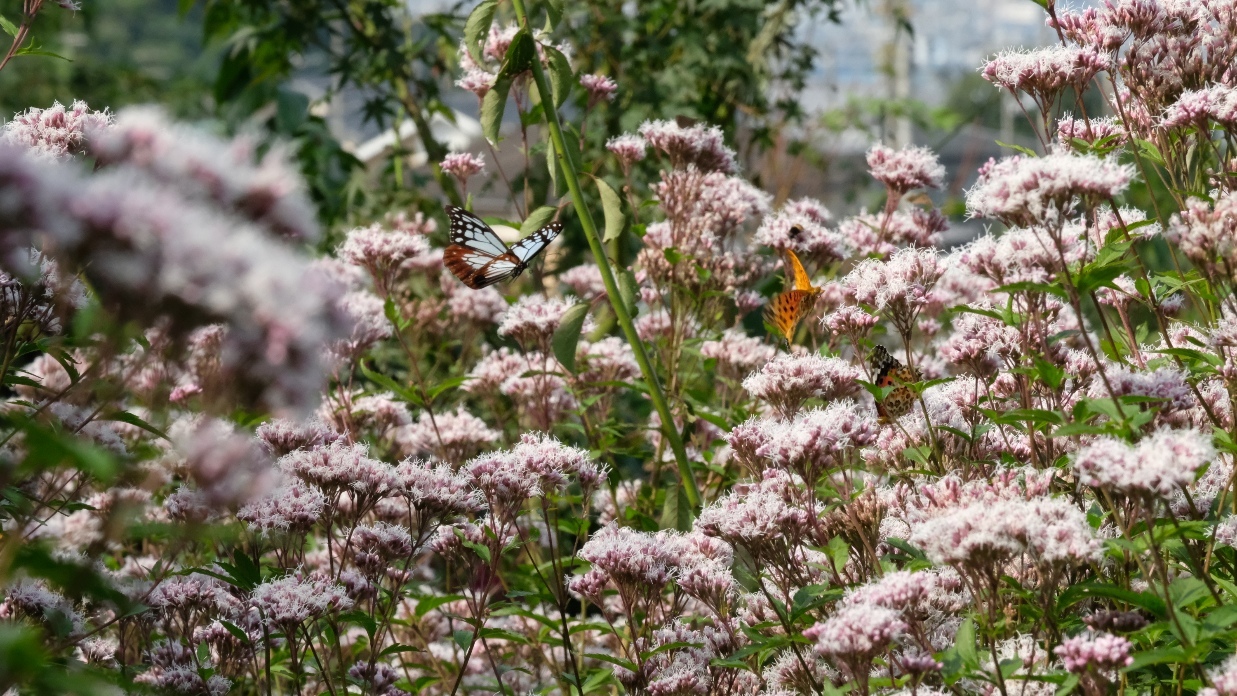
(787, 308)
(889, 372)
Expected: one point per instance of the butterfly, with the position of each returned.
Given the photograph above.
(889, 372)
(479, 258)
(787, 308)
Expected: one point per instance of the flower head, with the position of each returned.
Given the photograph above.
(57, 132)
(1029, 190)
(1044, 72)
(906, 169)
(533, 320)
(1157, 466)
(700, 145)
(290, 601)
(1095, 651)
(789, 380)
(629, 149)
(599, 87)
(463, 166)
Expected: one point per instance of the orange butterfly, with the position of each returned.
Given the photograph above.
(889, 372)
(787, 308)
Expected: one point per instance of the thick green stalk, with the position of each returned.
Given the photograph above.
(607, 275)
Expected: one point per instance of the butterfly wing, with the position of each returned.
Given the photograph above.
(468, 230)
(478, 269)
(786, 309)
(888, 371)
(798, 273)
(533, 244)
(476, 255)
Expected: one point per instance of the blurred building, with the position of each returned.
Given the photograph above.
(949, 38)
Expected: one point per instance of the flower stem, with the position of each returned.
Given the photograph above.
(607, 274)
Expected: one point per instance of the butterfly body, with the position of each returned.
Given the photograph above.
(889, 372)
(479, 258)
(787, 308)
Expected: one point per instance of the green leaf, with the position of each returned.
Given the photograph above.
(964, 639)
(1081, 591)
(422, 682)
(612, 206)
(1068, 686)
(480, 549)
(1029, 286)
(561, 77)
(520, 55)
(1024, 150)
(906, 548)
(390, 384)
(478, 26)
(126, 417)
(463, 638)
(8, 27)
(1185, 591)
(1094, 277)
(398, 648)
(537, 219)
(291, 110)
(447, 384)
(1161, 656)
(567, 335)
(35, 51)
(667, 647)
(630, 291)
(492, 107)
(676, 511)
(428, 604)
(235, 631)
(1150, 151)
(625, 664)
(839, 553)
(503, 634)
(596, 679)
(47, 448)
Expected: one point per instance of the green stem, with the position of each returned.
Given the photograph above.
(607, 275)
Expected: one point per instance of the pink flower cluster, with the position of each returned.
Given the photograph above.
(57, 132)
(906, 169)
(1154, 467)
(787, 381)
(1050, 531)
(701, 145)
(1035, 190)
(1102, 652)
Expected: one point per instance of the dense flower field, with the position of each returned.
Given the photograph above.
(231, 465)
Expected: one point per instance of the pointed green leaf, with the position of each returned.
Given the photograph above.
(537, 219)
(492, 107)
(965, 640)
(428, 604)
(612, 206)
(561, 77)
(676, 512)
(630, 291)
(126, 417)
(520, 55)
(567, 335)
(478, 26)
